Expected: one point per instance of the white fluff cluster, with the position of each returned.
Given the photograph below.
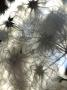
(33, 45)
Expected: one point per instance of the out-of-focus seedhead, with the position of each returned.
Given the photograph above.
(3, 6)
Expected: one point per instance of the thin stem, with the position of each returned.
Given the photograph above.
(55, 61)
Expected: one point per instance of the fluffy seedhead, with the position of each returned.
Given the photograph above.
(33, 4)
(46, 42)
(37, 75)
(39, 71)
(9, 23)
(15, 67)
(49, 29)
(53, 23)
